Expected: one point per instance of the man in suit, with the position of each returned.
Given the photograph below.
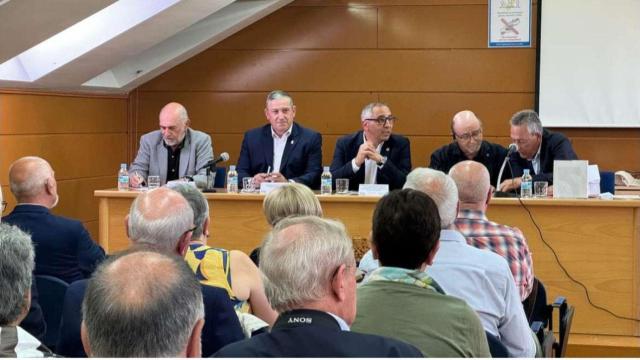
(64, 248)
(143, 304)
(468, 144)
(174, 151)
(373, 155)
(537, 149)
(309, 273)
(282, 150)
(159, 220)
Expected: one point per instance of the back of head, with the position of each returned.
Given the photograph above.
(529, 118)
(406, 228)
(440, 188)
(158, 218)
(198, 204)
(141, 304)
(28, 176)
(299, 258)
(472, 180)
(16, 267)
(290, 200)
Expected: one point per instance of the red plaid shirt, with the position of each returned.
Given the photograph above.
(506, 241)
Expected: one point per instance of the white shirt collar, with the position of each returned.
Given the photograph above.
(341, 322)
(285, 135)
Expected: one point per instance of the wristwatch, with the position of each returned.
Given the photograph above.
(382, 162)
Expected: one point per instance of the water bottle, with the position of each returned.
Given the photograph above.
(123, 178)
(325, 182)
(526, 186)
(232, 180)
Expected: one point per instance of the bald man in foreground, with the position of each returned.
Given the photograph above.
(468, 144)
(172, 152)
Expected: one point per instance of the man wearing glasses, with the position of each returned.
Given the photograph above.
(468, 144)
(373, 155)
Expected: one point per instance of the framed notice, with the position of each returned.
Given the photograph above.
(509, 23)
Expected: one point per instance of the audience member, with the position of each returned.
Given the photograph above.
(537, 149)
(282, 150)
(474, 194)
(63, 246)
(373, 155)
(309, 273)
(174, 151)
(143, 304)
(399, 299)
(16, 267)
(480, 277)
(222, 268)
(468, 144)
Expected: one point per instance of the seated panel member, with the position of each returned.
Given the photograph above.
(468, 144)
(282, 150)
(174, 151)
(373, 155)
(537, 149)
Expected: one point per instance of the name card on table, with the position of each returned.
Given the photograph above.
(267, 187)
(373, 189)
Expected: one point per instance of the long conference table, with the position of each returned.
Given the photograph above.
(596, 242)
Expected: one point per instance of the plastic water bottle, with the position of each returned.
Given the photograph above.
(526, 186)
(325, 182)
(123, 178)
(232, 180)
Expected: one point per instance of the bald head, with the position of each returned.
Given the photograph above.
(472, 180)
(464, 119)
(467, 132)
(160, 218)
(174, 122)
(32, 180)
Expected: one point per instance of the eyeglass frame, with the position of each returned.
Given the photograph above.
(382, 120)
(467, 136)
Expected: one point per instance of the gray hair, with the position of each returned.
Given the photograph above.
(141, 304)
(278, 94)
(367, 111)
(292, 199)
(198, 204)
(440, 187)
(299, 257)
(162, 231)
(28, 180)
(16, 267)
(529, 118)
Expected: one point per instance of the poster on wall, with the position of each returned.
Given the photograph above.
(509, 23)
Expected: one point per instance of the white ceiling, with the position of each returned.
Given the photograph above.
(130, 58)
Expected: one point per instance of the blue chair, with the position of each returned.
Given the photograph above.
(51, 291)
(496, 348)
(221, 177)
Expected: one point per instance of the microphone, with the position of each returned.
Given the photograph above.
(498, 193)
(222, 158)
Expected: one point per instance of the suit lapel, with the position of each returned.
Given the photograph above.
(292, 142)
(386, 149)
(359, 141)
(267, 146)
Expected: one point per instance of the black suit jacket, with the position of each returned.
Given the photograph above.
(221, 324)
(301, 160)
(310, 333)
(394, 172)
(63, 246)
(555, 146)
(490, 155)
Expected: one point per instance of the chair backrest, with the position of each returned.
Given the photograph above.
(496, 347)
(535, 305)
(546, 337)
(221, 177)
(51, 291)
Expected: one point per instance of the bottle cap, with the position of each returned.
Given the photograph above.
(326, 168)
(232, 168)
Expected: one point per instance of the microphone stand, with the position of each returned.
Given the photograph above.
(505, 194)
(208, 189)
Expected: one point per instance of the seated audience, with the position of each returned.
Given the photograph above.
(537, 149)
(143, 304)
(16, 267)
(468, 144)
(159, 220)
(474, 194)
(309, 273)
(231, 270)
(373, 155)
(399, 299)
(64, 248)
(480, 277)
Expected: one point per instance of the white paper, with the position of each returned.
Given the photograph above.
(373, 189)
(570, 179)
(267, 187)
(510, 23)
(593, 176)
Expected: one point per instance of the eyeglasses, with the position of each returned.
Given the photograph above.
(381, 120)
(467, 136)
(4, 205)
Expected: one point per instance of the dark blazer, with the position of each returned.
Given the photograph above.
(301, 160)
(394, 172)
(63, 246)
(221, 325)
(555, 146)
(490, 155)
(310, 333)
